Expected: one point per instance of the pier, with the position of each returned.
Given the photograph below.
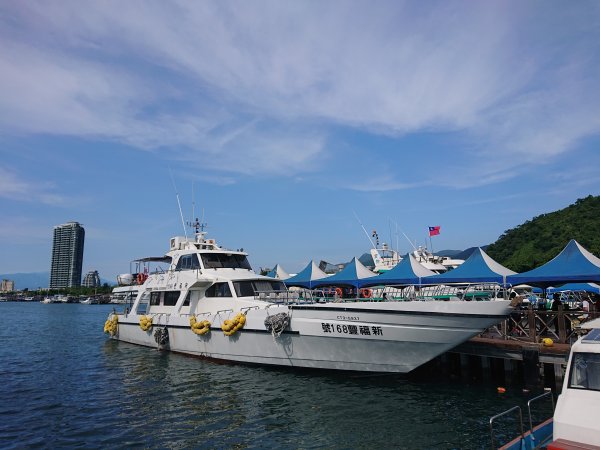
(514, 350)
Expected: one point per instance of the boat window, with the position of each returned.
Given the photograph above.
(188, 262)
(218, 290)
(223, 260)
(171, 298)
(155, 298)
(585, 371)
(250, 288)
(186, 302)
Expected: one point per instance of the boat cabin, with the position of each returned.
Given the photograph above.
(202, 277)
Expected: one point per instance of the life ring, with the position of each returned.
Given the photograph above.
(229, 327)
(201, 328)
(145, 323)
(338, 292)
(140, 278)
(366, 293)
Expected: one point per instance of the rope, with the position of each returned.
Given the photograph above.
(161, 336)
(276, 323)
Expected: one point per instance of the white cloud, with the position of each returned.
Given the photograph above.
(16, 186)
(222, 83)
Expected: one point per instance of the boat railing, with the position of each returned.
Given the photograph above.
(502, 414)
(292, 296)
(443, 292)
(537, 399)
(536, 436)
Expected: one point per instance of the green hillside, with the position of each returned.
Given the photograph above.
(539, 240)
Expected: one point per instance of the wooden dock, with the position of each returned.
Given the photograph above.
(514, 352)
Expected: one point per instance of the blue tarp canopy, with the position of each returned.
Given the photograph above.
(407, 272)
(278, 272)
(351, 275)
(574, 264)
(478, 268)
(306, 277)
(577, 287)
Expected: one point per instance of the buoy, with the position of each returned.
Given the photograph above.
(501, 390)
(547, 342)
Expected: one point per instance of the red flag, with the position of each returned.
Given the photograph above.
(434, 231)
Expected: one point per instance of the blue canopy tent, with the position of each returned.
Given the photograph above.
(574, 264)
(351, 275)
(306, 277)
(478, 268)
(278, 272)
(407, 272)
(576, 287)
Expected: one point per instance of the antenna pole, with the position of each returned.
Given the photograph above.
(367, 234)
(178, 203)
(193, 202)
(409, 241)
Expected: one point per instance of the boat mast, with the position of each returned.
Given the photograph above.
(179, 204)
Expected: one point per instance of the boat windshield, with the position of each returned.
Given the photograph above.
(224, 260)
(585, 371)
(250, 288)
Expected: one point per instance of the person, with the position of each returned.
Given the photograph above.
(585, 304)
(541, 306)
(555, 304)
(385, 296)
(515, 299)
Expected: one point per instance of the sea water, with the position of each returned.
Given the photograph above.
(64, 384)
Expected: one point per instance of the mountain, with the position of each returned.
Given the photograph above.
(466, 253)
(540, 239)
(34, 280)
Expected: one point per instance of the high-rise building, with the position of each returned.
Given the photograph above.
(67, 255)
(7, 286)
(91, 279)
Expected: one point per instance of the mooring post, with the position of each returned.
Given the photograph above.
(508, 370)
(562, 332)
(531, 322)
(531, 366)
(486, 370)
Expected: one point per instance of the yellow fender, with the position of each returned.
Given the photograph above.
(111, 325)
(200, 328)
(145, 323)
(230, 327)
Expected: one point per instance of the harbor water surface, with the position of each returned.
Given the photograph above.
(64, 384)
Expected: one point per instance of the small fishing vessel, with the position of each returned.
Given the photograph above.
(574, 422)
(210, 303)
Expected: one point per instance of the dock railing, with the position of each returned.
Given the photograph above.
(562, 326)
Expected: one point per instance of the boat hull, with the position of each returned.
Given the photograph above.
(372, 337)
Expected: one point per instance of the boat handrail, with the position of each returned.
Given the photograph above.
(530, 433)
(285, 296)
(497, 416)
(534, 399)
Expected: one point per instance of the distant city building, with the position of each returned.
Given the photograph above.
(91, 279)
(67, 255)
(7, 286)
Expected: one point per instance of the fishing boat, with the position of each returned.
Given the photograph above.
(574, 422)
(210, 303)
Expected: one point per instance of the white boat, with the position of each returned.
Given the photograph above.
(438, 264)
(578, 406)
(384, 258)
(574, 424)
(124, 295)
(210, 303)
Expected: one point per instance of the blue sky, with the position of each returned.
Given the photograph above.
(288, 117)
